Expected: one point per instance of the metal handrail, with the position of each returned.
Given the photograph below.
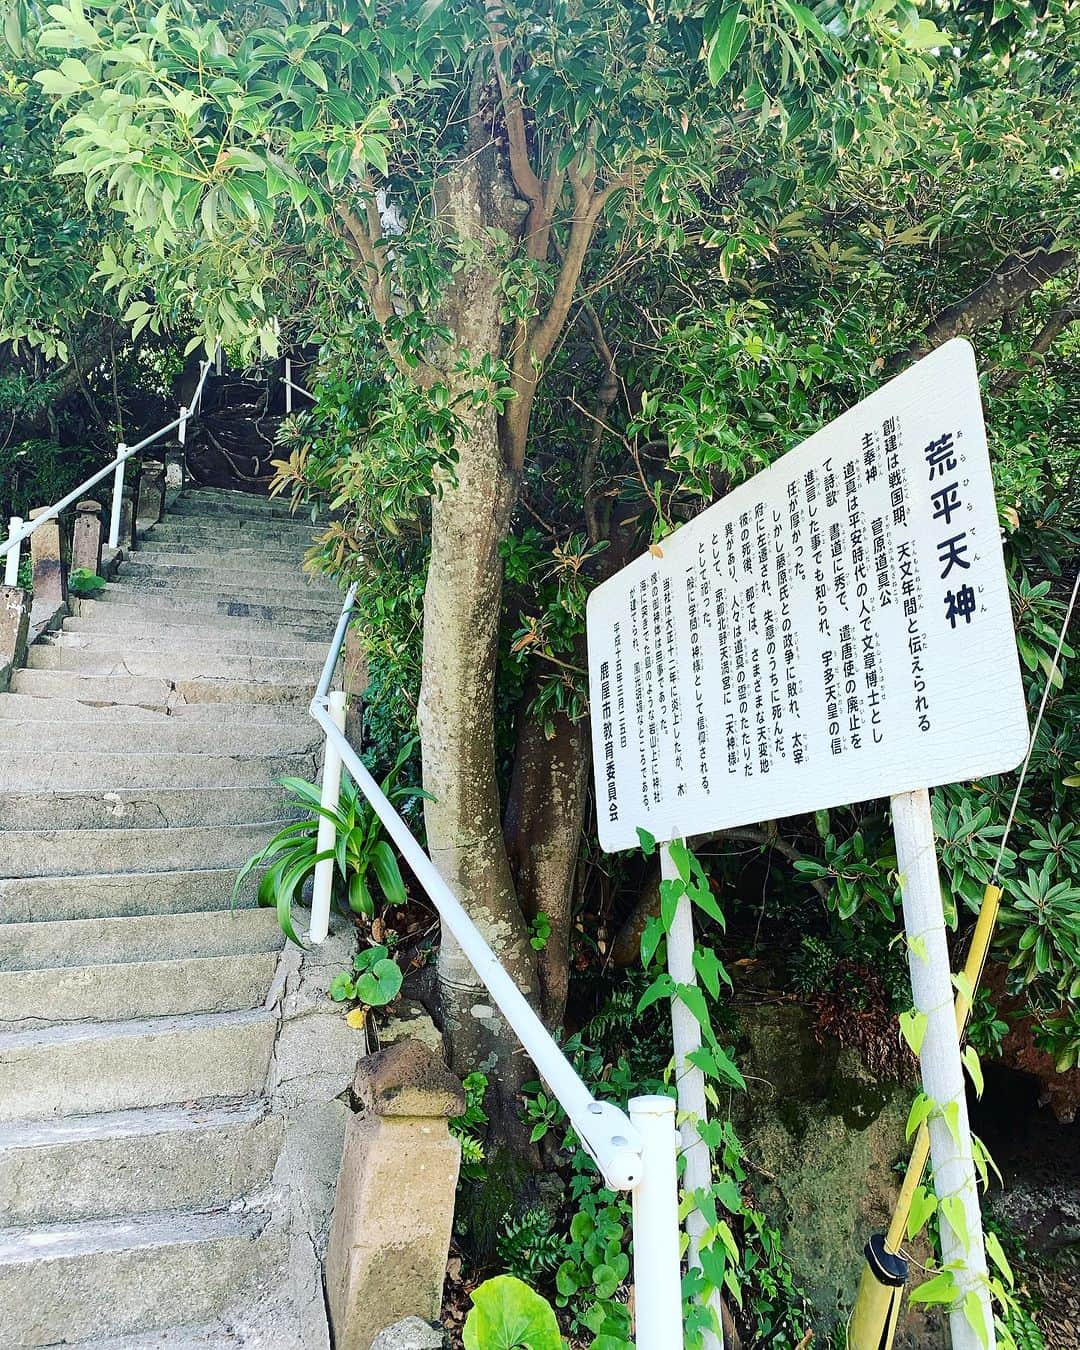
(635, 1152)
(287, 381)
(19, 531)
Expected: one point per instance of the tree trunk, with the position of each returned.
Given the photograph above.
(545, 812)
(456, 711)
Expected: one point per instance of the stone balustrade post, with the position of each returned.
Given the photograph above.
(14, 629)
(176, 468)
(152, 492)
(86, 537)
(394, 1207)
(48, 555)
(129, 506)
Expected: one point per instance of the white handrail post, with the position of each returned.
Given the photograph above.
(686, 1038)
(655, 1202)
(940, 1062)
(117, 498)
(11, 562)
(331, 790)
(288, 387)
(181, 431)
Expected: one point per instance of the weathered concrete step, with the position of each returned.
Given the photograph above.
(144, 937)
(223, 532)
(27, 771)
(126, 990)
(118, 617)
(169, 734)
(69, 1282)
(143, 808)
(156, 638)
(41, 899)
(184, 554)
(227, 570)
(153, 692)
(114, 1066)
(258, 591)
(72, 712)
(201, 1156)
(50, 853)
(187, 664)
(199, 501)
(285, 610)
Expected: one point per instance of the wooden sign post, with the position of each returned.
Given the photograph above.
(837, 628)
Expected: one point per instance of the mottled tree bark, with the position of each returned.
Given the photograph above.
(456, 711)
(545, 812)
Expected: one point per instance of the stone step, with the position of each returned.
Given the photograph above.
(226, 570)
(27, 771)
(69, 1282)
(114, 1066)
(154, 692)
(143, 937)
(195, 890)
(201, 1156)
(143, 808)
(186, 664)
(49, 853)
(222, 532)
(168, 734)
(292, 612)
(155, 638)
(294, 591)
(115, 617)
(132, 989)
(183, 554)
(204, 501)
(72, 712)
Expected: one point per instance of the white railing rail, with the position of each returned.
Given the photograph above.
(635, 1152)
(19, 530)
(291, 388)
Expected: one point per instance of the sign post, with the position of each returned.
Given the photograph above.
(837, 628)
(689, 1080)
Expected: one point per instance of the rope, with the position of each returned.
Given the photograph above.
(1035, 730)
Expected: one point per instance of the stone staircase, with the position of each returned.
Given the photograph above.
(148, 1191)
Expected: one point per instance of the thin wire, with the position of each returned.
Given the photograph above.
(1035, 729)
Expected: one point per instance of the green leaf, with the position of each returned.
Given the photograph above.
(314, 73)
(671, 892)
(940, 1290)
(726, 43)
(920, 1110)
(953, 1212)
(970, 1057)
(923, 1206)
(342, 988)
(647, 842)
(923, 34)
(913, 1029)
(996, 1254)
(508, 1315)
(380, 984)
(388, 873)
(976, 1316)
(680, 856)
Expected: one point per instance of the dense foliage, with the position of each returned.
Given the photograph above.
(573, 271)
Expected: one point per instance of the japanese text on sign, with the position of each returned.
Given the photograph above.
(836, 628)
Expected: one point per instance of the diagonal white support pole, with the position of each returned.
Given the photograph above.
(11, 560)
(942, 1068)
(686, 1038)
(331, 791)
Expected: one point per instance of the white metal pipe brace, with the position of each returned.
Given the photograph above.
(605, 1130)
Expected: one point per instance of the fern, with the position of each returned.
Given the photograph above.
(527, 1247)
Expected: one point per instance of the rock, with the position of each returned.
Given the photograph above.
(822, 1137)
(409, 1021)
(412, 1333)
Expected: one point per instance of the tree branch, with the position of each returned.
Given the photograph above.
(1048, 335)
(1011, 282)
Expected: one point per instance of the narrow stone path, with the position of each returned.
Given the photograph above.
(139, 1010)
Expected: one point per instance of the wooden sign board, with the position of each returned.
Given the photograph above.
(837, 628)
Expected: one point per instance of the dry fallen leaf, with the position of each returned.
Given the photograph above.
(656, 550)
(356, 1018)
